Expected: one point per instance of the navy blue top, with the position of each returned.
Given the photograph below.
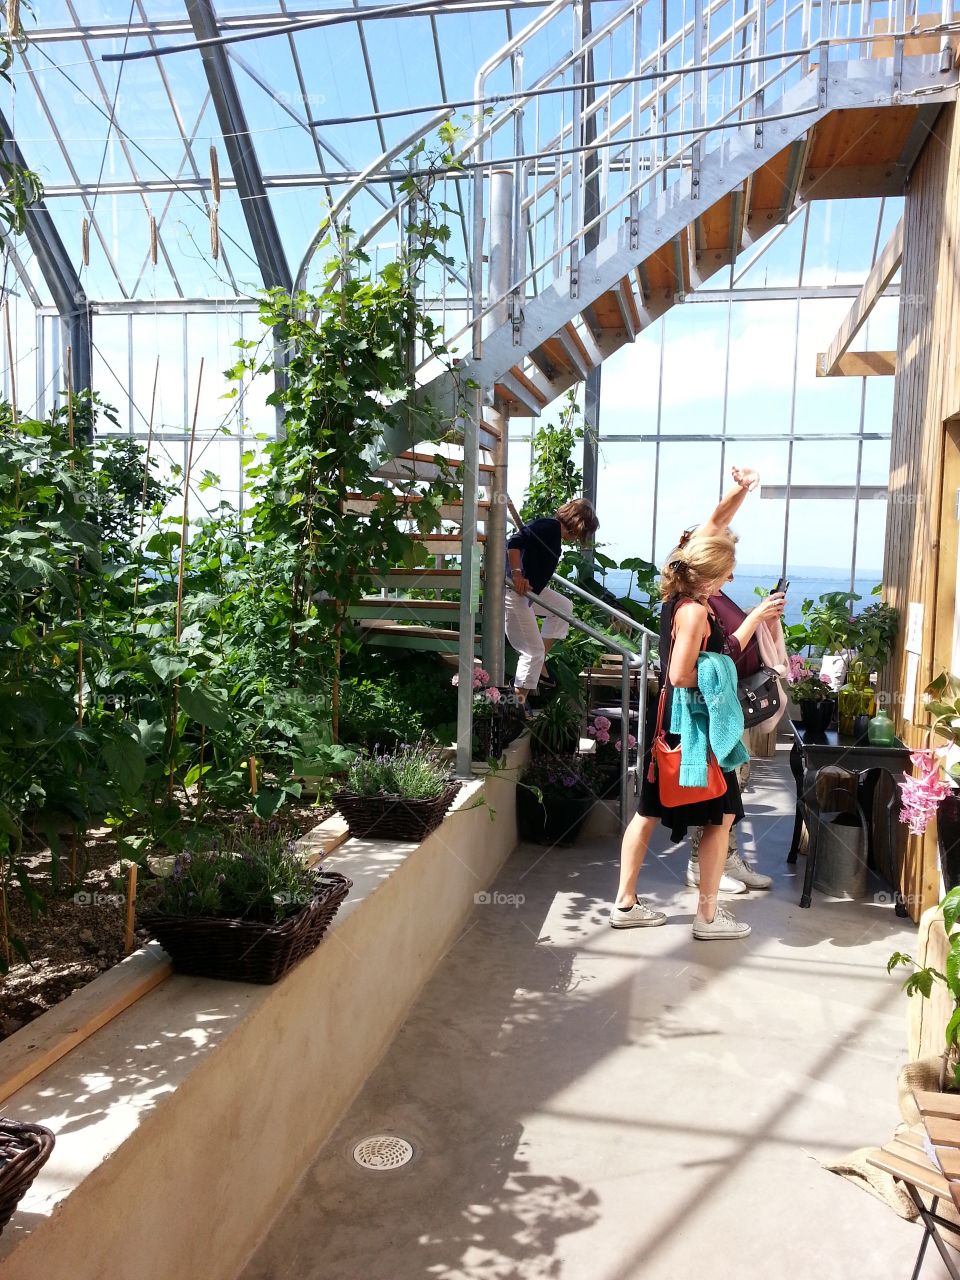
(539, 544)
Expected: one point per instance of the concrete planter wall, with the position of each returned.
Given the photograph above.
(185, 1122)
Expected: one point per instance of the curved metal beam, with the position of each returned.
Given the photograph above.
(58, 271)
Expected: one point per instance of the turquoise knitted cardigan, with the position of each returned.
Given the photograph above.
(708, 715)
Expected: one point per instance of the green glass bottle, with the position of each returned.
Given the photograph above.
(880, 732)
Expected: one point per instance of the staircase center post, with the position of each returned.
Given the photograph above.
(502, 231)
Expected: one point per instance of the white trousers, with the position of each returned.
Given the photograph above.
(525, 635)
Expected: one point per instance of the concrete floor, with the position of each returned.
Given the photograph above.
(590, 1104)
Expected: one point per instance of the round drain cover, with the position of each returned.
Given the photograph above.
(383, 1151)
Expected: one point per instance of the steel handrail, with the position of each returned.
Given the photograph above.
(602, 605)
(631, 663)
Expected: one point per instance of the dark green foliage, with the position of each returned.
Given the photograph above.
(554, 477)
(922, 979)
(145, 684)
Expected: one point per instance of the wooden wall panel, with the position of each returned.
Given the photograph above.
(926, 396)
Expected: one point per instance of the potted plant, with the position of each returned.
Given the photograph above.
(605, 766)
(553, 800)
(922, 980)
(931, 794)
(556, 730)
(396, 795)
(246, 909)
(497, 717)
(812, 694)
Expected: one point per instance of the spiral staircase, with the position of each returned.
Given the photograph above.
(596, 189)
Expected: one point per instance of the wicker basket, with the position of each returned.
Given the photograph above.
(24, 1150)
(249, 950)
(394, 817)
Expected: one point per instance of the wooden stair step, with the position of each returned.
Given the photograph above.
(396, 610)
(452, 511)
(398, 635)
(444, 544)
(421, 466)
(426, 578)
(718, 235)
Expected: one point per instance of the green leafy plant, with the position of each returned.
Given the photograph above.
(923, 979)
(157, 665)
(554, 476)
(556, 730)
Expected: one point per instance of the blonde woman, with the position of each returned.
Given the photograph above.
(698, 567)
(533, 554)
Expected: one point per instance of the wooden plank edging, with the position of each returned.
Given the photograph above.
(30, 1051)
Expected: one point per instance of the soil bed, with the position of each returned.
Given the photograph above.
(79, 934)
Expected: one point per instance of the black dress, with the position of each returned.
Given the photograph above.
(704, 812)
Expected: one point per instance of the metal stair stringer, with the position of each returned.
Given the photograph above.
(852, 86)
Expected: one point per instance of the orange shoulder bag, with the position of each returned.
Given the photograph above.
(665, 760)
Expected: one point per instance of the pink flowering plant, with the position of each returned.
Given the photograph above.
(806, 684)
(921, 792)
(486, 696)
(599, 728)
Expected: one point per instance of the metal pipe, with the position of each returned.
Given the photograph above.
(631, 663)
(468, 563)
(502, 209)
(602, 605)
(294, 27)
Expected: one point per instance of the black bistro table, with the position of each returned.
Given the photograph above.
(810, 754)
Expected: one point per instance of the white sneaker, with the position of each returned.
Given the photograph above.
(721, 926)
(727, 883)
(640, 915)
(740, 870)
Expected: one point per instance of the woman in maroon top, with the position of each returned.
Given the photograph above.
(630, 911)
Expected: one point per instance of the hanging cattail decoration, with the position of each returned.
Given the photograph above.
(153, 240)
(13, 18)
(214, 211)
(85, 241)
(215, 175)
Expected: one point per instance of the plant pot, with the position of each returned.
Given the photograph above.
(556, 821)
(488, 737)
(249, 950)
(816, 716)
(861, 730)
(24, 1150)
(948, 840)
(394, 817)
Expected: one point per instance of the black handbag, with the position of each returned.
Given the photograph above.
(759, 696)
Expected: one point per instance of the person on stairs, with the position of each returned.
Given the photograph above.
(533, 554)
(696, 569)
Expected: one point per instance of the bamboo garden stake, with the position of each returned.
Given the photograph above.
(131, 908)
(184, 526)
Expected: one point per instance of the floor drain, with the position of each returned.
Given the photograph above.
(383, 1151)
